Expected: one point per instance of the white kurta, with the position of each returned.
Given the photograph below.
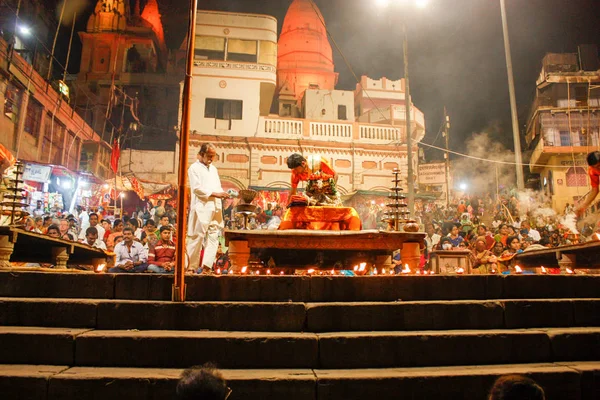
(206, 216)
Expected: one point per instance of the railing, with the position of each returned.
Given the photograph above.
(380, 133)
(281, 127)
(330, 130)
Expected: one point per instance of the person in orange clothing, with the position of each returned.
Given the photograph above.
(302, 168)
(593, 160)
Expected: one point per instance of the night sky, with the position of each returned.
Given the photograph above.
(456, 54)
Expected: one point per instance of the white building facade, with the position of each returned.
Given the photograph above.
(236, 82)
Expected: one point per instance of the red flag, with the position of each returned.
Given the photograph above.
(114, 156)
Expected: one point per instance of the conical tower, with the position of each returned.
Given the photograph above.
(305, 58)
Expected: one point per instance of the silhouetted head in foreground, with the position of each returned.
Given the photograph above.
(202, 383)
(516, 387)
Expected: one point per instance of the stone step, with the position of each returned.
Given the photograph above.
(153, 315)
(297, 317)
(179, 349)
(573, 381)
(297, 288)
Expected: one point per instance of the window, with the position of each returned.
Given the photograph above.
(33, 118)
(342, 113)
(268, 53)
(565, 138)
(223, 109)
(12, 101)
(209, 48)
(581, 95)
(576, 176)
(242, 50)
(53, 142)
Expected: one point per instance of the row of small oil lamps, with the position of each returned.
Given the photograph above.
(361, 268)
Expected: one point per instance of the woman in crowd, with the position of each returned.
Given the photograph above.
(513, 246)
(454, 237)
(482, 259)
(502, 234)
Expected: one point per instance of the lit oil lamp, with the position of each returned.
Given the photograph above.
(544, 270)
(244, 269)
(406, 269)
(518, 270)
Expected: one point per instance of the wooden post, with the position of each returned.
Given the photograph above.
(239, 254)
(60, 256)
(6, 250)
(410, 254)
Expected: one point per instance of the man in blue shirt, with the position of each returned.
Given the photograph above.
(130, 255)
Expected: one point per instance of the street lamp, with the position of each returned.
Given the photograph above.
(411, 184)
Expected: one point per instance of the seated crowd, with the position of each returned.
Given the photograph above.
(150, 248)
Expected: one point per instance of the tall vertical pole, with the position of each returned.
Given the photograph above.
(447, 156)
(513, 101)
(409, 145)
(62, 11)
(178, 290)
(64, 77)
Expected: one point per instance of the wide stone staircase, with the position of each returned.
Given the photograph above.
(85, 336)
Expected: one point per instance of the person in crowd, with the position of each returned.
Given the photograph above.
(84, 218)
(532, 233)
(432, 239)
(525, 243)
(93, 220)
(482, 259)
(91, 238)
(137, 231)
(39, 225)
(116, 231)
(502, 234)
(202, 383)
(516, 387)
(454, 237)
(482, 231)
(302, 168)
(73, 230)
(149, 230)
(171, 214)
(161, 258)
(445, 243)
(498, 249)
(205, 217)
(513, 246)
(164, 221)
(38, 211)
(64, 230)
(47, 223)
(511, 230)
(53, 231)
(130, 255)
(159, 211)
(593, 160)
(107, 229)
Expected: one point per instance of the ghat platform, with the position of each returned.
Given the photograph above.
(297, 248)
(585, 255)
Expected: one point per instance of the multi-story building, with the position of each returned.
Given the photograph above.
(240, 68)
(127, 73)
(564, 124)
(38, 125)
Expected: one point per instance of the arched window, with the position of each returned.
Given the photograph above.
(576, 176)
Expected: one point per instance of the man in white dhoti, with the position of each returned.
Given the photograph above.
(206, 210)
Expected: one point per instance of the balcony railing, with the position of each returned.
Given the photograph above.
(380, 134)
(281, 128)
(330, 130)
